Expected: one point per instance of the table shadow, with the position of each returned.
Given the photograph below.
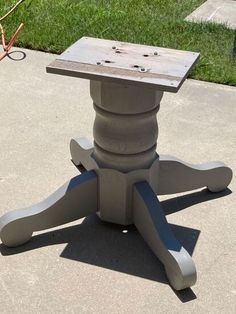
(179, 203)
(120, 248)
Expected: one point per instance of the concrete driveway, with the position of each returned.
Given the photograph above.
(90, 266)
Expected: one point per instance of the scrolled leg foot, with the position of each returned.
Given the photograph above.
(150, 220)
(74, 200)
(11, 239)
(81, 150)
(176, 176)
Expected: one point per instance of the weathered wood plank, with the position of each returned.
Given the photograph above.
(93, 58)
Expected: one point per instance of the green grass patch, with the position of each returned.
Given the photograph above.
(54, 25)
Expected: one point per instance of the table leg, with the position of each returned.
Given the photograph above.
(81, 150)
(150, 220)
(75, 199)
(175, 176)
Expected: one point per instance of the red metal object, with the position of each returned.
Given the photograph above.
(8, 47)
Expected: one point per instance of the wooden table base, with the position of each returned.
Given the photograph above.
(122, 178)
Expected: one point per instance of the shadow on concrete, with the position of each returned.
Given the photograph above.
(110, 246)
(178, 203)
(120, 248)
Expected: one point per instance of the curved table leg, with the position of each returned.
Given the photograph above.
(150, 220)
(176, 176)
(81, 150)
(75, 199)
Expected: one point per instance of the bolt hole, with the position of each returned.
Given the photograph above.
(146, 55)
(124, 231)
(118, 51)
(136, 66)
(107, 61)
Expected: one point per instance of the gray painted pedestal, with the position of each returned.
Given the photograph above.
(123, 171)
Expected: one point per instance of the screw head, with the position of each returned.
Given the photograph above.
(98, 63)
(155, 53)
(114, 47)
(142, 69)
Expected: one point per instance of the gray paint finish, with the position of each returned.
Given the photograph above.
(150, 220)
(75, 199)
(125, 178)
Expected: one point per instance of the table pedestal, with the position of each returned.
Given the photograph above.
(122, 178)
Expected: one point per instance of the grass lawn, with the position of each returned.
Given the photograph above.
(53, 25)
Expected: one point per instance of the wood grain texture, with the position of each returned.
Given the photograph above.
(107, 60)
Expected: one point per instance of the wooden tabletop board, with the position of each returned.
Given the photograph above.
(109, 60)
